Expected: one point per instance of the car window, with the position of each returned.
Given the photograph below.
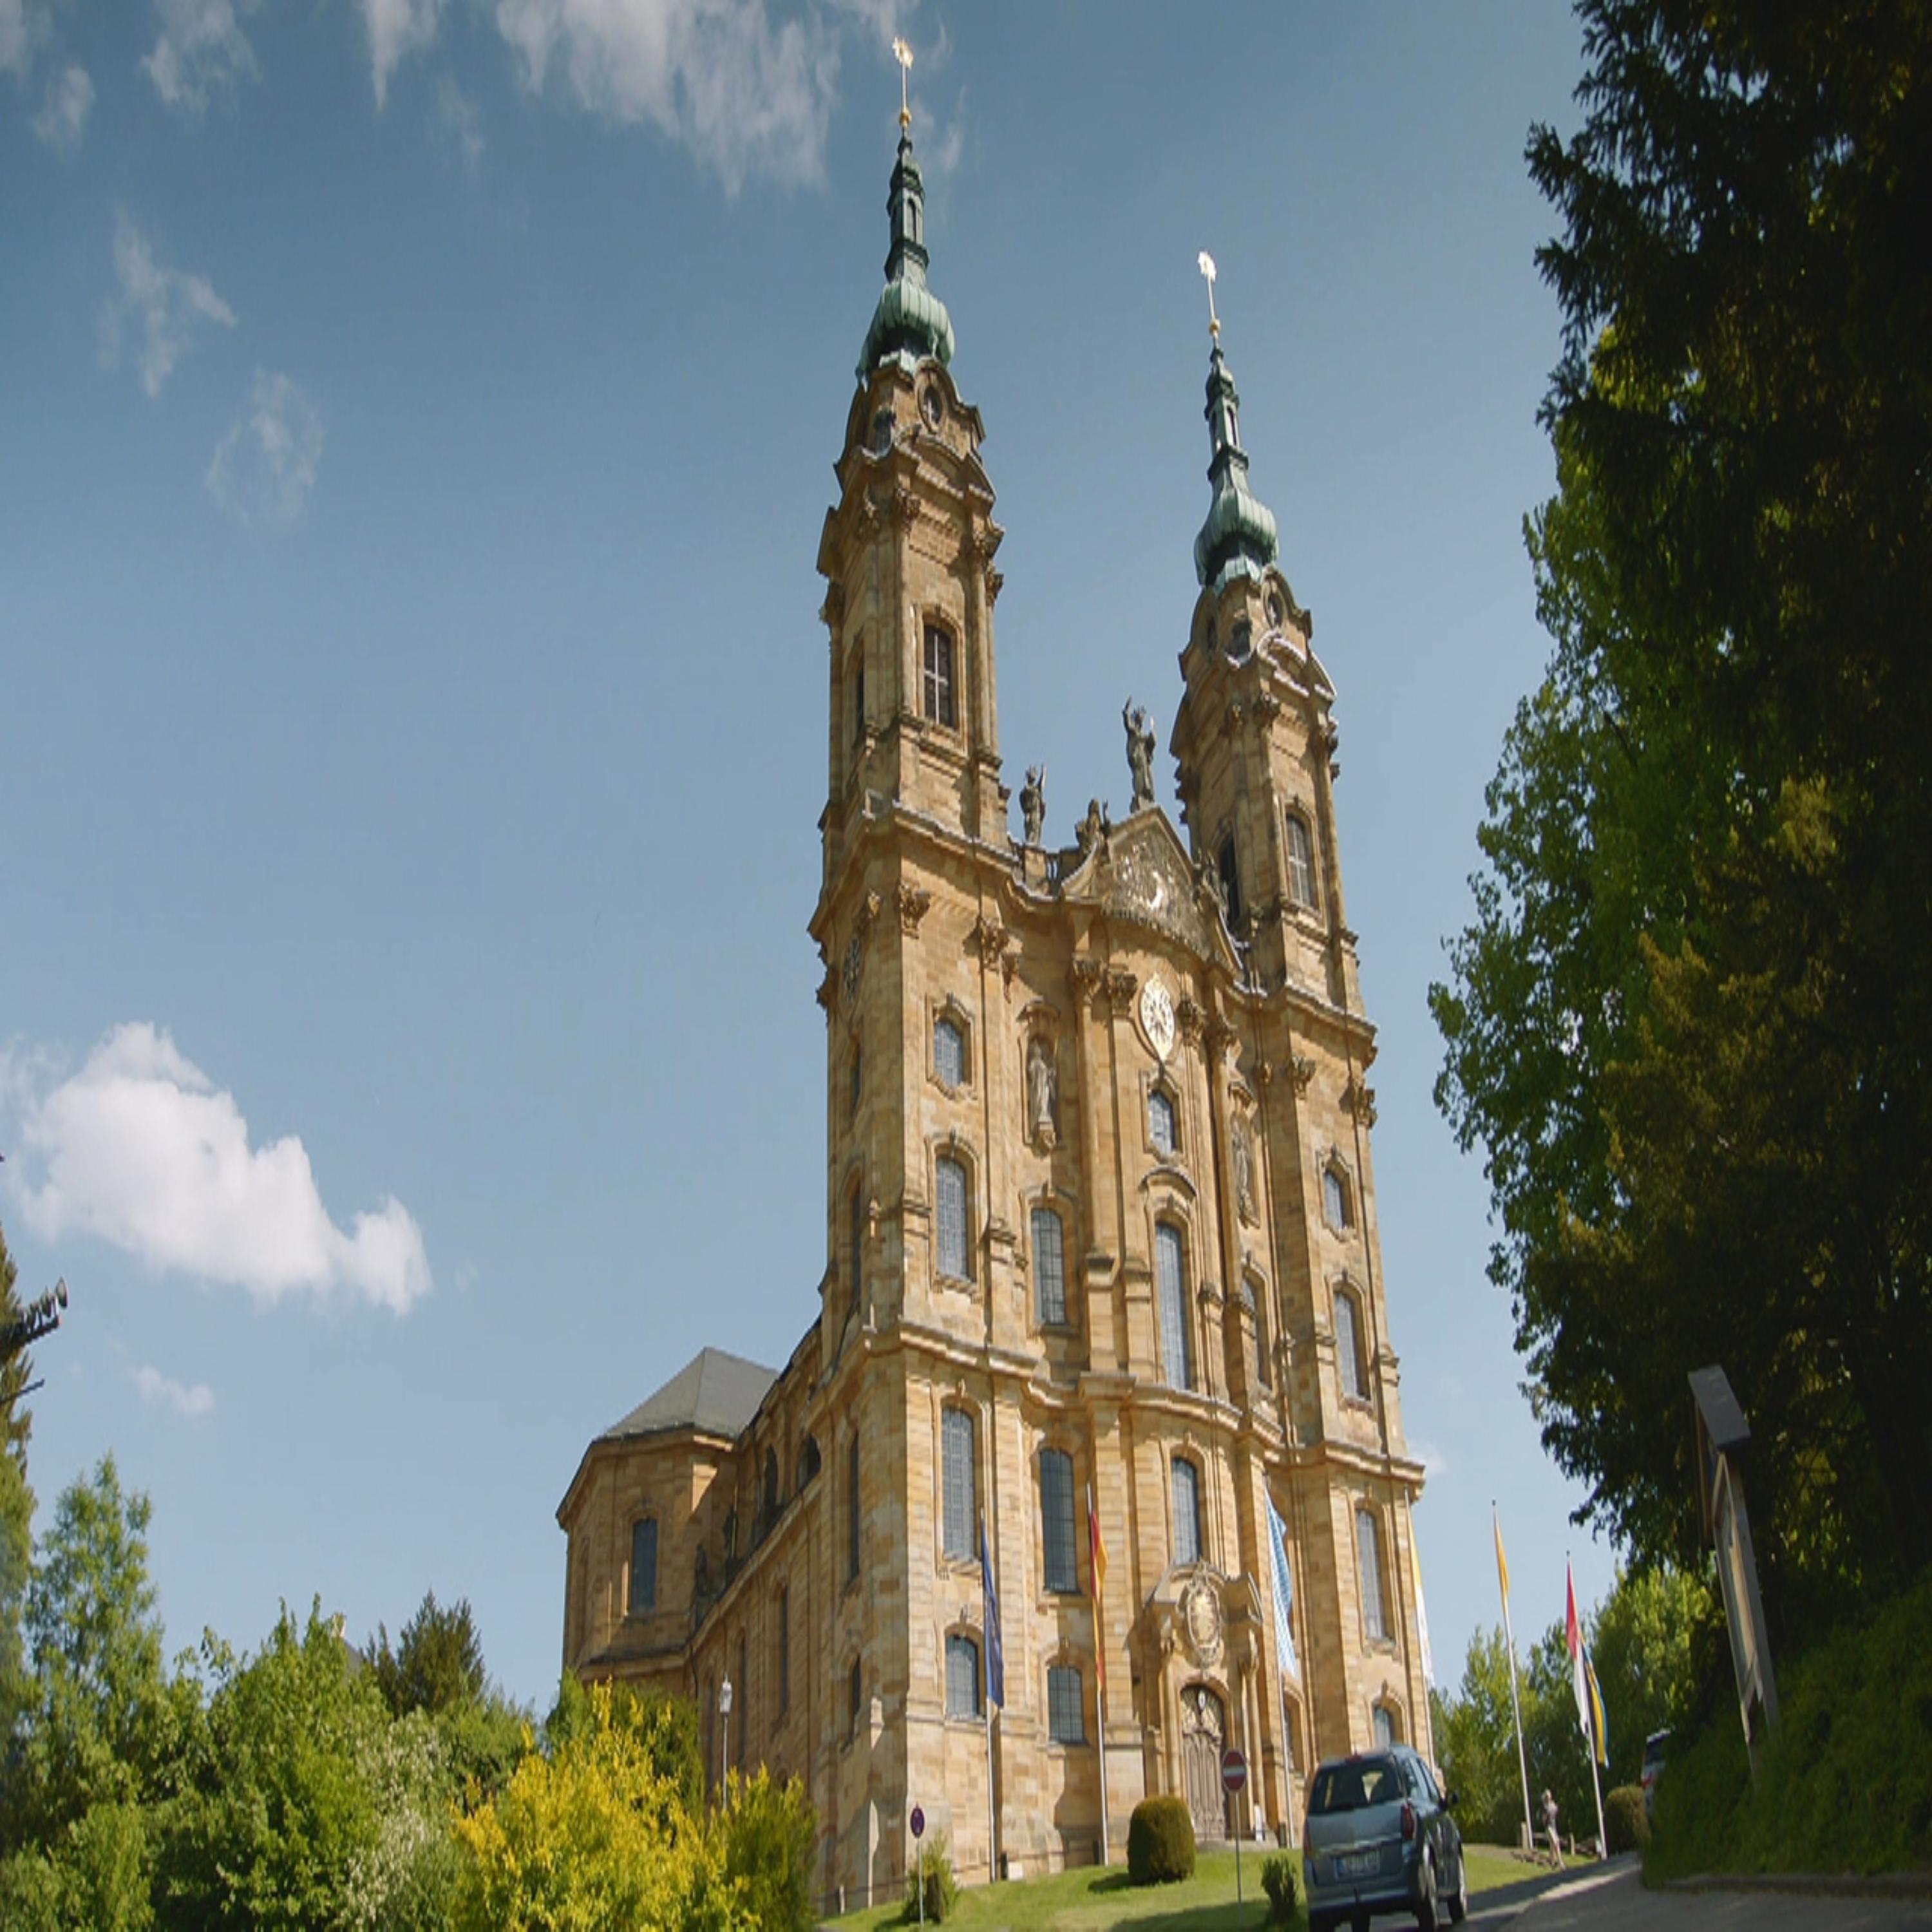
(1355, 1785)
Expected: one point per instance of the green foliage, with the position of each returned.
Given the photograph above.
(1844, 1783)
(1475, 1743)
(16, 1513)
(934, 1870)
(437, 1663)
(667, 1726)
(1689, 1023)
(595, 1834)
(1160, 1842)
(1626, 1826)
(768, 1830)
(1278, 1881)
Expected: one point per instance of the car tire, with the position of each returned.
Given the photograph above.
(1425, 1894)
(1458, 1899)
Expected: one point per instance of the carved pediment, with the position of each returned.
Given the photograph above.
(1141, 874)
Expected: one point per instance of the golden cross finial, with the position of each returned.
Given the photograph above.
(903, 55)
(1207, 265)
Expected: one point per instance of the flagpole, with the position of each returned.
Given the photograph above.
(1597, 1753)
(990, 1619)
(1516, 1703)
(1581, 1679)
(1099, 1568)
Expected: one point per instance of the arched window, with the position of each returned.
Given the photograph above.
(1049, 1268)
(643, 1565)
(949, 1051)
(784, 1650)
(1060, 1566)
(1162, 1129)
(855, 1248)
(1257, 1315)
(1388, 1731)
(855, 1698)
(1230, 883)
(1368, 1562)
(1300, 861)
(858, 698)
(1170, 1285)
(1335, 1202)
(941, 705)
(1186, 1512)
(955, 1247)
(959, 1483)
(962, 1676)
(852, 1510)
(808, 1461)
(1066, 1707)
(1349, 1346)
(771, 1497)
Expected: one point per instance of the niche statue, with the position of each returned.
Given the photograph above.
(1042, 1091)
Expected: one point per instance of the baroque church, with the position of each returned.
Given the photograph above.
(1103, 1303)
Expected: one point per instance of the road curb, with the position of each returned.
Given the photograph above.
(1813, 1885)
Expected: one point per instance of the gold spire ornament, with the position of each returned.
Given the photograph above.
(1206, 263)
(903, 55)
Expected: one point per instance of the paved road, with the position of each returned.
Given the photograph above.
(1616, 1901)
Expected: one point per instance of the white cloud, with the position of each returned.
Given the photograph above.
(194, 1403)
(746, 94)
(23, 25)
(202, 51)
(62, 119)
(264, 468)
(170, 303)
(140, 1149)
(462, 123)
(1434, 1462)
(397, 27)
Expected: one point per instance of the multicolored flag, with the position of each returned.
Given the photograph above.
(1599, 1730)
(1098, 1551)
(996, 1661)
(1284, 1592)
(1573, 1634)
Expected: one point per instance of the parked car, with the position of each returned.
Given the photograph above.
(1655, 1746)
(1380, 1838)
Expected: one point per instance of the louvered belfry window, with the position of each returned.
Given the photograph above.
(960, 1483)
(1300, 862)
(1056, 1520)
(1349, 1346)
(1170, 1281)
(954, 1253)
(1049, 1268)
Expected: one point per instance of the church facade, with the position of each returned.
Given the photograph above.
(1101, 1275)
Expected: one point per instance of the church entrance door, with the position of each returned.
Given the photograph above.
(1203, 1731)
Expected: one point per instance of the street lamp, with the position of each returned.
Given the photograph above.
(725, 1760)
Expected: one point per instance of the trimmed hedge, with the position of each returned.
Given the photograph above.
(1160, 1842)
(1625, 1824)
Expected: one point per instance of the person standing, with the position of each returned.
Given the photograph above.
(1549, 1825)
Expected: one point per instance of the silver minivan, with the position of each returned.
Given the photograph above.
(1380, 1838)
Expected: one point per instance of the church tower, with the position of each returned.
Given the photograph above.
(1091, 1464)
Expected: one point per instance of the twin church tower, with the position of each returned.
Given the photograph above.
(1101, 1265)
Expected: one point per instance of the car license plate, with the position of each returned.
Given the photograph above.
(1358, 1864)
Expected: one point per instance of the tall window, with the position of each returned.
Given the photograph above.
(1056, 1519)
(1170, 1284)
(1349, 1346)
(941, 705)
(1368, 1562)
(859, 703)
(1186, 1512)
(954, 1253)
(1066, 1707)
(1230, 883)
(1161, 1123)
(643, 1566)
(1263, 1368)
(852, 1510)
(784, 1652)
(743, 1729)
(858, 1079)
(1335, 1200)
(1385, 1737)
(949, 1051)
(856, 1237)
(855, 1697)
(962, 1676)
(1049, 1268)
(959, 1483)
(1300, 861)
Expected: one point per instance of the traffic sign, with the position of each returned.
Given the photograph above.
(1234, 1772)
(918, 1821)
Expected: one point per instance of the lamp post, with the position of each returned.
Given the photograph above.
(725, 1760)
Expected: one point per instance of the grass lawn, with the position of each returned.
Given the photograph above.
(1090, 1900)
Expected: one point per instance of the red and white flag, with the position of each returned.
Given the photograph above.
(1573, 1632)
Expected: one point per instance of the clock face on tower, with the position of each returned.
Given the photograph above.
(1157, 1016)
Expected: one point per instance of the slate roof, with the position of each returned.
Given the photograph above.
(714, 1392)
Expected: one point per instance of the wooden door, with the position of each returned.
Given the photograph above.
(1204, 1732)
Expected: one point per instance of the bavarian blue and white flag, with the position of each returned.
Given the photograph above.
(1284, 1592)
(996, 1661)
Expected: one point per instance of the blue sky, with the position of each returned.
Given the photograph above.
(418, 416)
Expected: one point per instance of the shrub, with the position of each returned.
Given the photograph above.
(1160, 1842)
(1278, 1881)
(942, 1891)
(1625, 1826)
(769, 1828)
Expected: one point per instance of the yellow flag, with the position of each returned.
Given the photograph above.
(1502, 1564)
